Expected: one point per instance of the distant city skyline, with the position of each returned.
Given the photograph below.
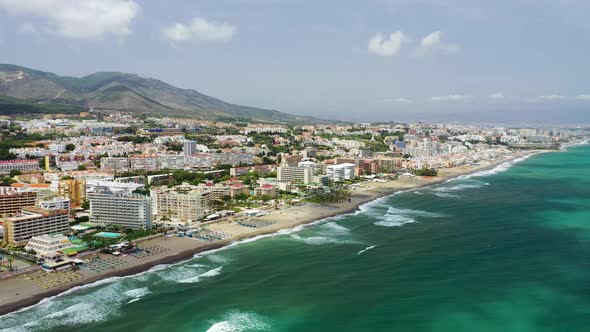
(360, 61)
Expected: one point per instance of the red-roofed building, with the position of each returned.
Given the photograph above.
(266, 190)
(24, 165)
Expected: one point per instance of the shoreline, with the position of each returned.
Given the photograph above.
(310, 215)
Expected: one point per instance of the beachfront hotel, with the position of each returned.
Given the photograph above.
(48, 245)
(186, 207)
(341, 172)
(12, 200)
(32, 222)
(123, 209)
(301, 174)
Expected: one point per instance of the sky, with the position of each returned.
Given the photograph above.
(363, 60)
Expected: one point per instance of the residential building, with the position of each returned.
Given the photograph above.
(177, 205)
(341, 172)
(12, 200)
(114, 164)
(55, 204)
(189, 148)
(113, 186)
(143, 163)
(172, 161)
(266, 190)
(33, 221)
(280, 185)
(238, 189)
(123, 209)
(24, 165)
(290, 160)
(74, 190)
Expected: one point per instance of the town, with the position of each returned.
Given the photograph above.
(86, 195)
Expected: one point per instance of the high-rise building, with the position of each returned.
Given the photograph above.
(301, 174)
(33, 221)
(173, 206)
(123, 209)
(341, 172)
(12, 200)
(189, 148)
(74, 190)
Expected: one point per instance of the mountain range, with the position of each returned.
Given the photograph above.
(116, 91)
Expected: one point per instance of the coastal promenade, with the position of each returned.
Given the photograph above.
(23, 291)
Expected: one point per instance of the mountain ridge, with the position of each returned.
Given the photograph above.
(126, 92)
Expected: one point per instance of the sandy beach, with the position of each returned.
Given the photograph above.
(26, 290)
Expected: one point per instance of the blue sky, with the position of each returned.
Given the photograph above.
(352, 60)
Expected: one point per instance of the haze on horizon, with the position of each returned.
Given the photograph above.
(378, 60)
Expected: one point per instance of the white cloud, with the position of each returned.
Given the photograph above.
(199, 29)
(389, 46)
(27, 27)
(433, 42)
(583, 97)
(87, 19)
(553, 97)
(449, 98)
(398, 101)
(497, 95)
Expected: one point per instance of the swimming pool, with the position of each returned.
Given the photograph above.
(108, 234)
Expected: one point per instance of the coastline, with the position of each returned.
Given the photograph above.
(288, 218)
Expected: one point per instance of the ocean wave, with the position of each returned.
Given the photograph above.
(446, 195)
(365, 250)
(208, 274)
(329, 232)
(216, 258)
(237, 321)
(137, 293)
(498, 169)
(473, 184)
(94, 305)
(395, 217)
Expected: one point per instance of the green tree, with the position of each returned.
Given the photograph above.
(70, 147)
(6, 181)
(15, 172)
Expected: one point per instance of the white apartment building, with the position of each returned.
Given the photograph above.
(290, 173)
(127, 210)
(114, 164)
(55, 204)
(19, 165)
(143, 163)
(172, 161)
(57, 148)
(340, 172)
(113, 186)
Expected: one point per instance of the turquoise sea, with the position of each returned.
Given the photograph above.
(503, 250)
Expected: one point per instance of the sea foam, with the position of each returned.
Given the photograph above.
(208, 274)
(365, 250)
(237, 321)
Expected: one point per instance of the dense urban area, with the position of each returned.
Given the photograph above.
(78, 189)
